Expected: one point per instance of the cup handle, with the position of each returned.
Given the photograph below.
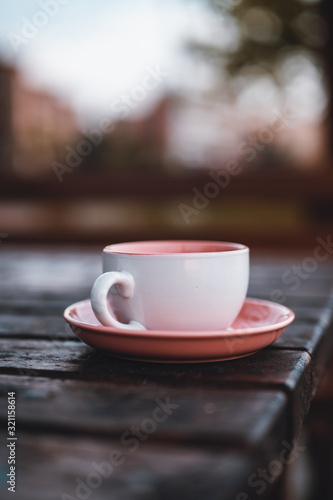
(99, 293)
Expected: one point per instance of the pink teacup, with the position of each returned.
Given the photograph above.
(171, 285)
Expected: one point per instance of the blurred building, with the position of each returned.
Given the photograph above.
(198, 133)
(34, 126)
(6, 123)
(201, 133)
(133, 144)
(180, 131)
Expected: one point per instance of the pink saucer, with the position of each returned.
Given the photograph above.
(258, 325)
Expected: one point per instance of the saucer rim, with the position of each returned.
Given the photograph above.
(186, 334)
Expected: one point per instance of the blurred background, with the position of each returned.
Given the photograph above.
(166, 119)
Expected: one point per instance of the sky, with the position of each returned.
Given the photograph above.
(91, 51)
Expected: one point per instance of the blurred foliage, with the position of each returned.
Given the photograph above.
(267, 31)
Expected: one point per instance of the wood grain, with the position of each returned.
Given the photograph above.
(285, 370)
(74, 403)
(60, 466)
(228, 417)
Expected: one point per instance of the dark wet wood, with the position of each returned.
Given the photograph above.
(227, 417)
(72, 467)
(284, 370)
(74, 403)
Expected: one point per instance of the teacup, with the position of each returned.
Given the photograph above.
(171, 285)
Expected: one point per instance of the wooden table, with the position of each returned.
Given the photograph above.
(92, 426)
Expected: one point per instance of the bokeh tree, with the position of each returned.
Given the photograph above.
(277, 40)
(267, 32)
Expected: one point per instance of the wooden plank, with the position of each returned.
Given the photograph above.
(309, 329)
(48, 273)
(278, 292)
(273, 264)
(283, 282)
(301, 335)
(270, 368)
(307, 334)
(46, 308)
(69, 468)
(20, 323)
(229, 417)
(322, 351)
(293, 301)
(313, 285)
(76, 390)
(74, 270)
(316, 339)
(39, 306)
(310, 315)
(35, 327)
(33, 267)
(54, 304)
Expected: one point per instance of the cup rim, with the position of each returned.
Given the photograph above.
(141, 248)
